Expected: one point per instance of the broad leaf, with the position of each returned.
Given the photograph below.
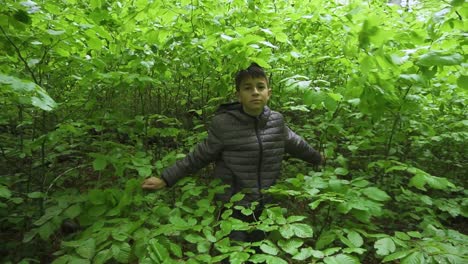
(397, 255)
(384, 246)
(304, 254)
(4, 192)
(437, 58)
(341, 259)
(414, 258)
(355, 238)
(72, 211)
(87, 249)
(302, 230)
(290, 245)
(269, 248)
(376, 194)
(100, 163)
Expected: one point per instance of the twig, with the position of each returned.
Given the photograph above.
(60, 176)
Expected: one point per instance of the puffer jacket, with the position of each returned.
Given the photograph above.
(247, 151)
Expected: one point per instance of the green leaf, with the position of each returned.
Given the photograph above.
(16, 84)
(97, 210)
(281, 37)
(62, 260)
(158, 250)
(414, 258)
(341, 171)
(295, 218)
(415, 234)
(238, 257)
(4, 192)
(204, 246)
(402, 236)
(418, 181)
(226, 37)
(31, 92)
(97, 197)
(43, 100)
(194, 238)
(87, 249)
(95, 4)
(384, 246)
(437, 58)
(360, 183)
(355, 238)
(341, 259)
(304, 254)
(46, 230)
(237, 197)
(50, 213)
(72, 211)
(269, 248)
(325, 239)
(119, 235)
(261, 62)
(209, 235)
(397, 255)
(29, 235)
(35, 195)
(462, 81)
(290, 246)
(22, 16)
(55, 32)
(413, 78)
(144, 171)
(376, 194)
(263, 258)
(102, 256)
(268, 44)
(123, 254)
(302, 230)
(331, 251)
(457, 2)
(421, 179)
(286, 231)
(100, 163)
(176, 250)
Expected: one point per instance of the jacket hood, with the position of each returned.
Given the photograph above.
(223, 108)
(236, 110)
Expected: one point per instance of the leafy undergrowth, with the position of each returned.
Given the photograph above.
(325, 219)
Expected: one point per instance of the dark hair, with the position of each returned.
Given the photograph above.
(253, 71)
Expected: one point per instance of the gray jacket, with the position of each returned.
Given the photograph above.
(247, 151)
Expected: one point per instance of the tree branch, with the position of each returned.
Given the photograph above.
(20, 56)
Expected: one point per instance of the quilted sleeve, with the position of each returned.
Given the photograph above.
(299, 148)
(205, 152)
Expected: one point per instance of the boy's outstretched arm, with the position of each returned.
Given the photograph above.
(204, 153)
(299, 148)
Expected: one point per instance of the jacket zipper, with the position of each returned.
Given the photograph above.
(260, 158)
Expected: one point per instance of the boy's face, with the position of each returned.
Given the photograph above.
(253, 94)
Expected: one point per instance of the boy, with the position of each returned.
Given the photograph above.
(247, 142)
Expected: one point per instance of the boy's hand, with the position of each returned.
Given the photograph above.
(153, 183)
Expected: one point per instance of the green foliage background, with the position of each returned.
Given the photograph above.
(97, 95)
